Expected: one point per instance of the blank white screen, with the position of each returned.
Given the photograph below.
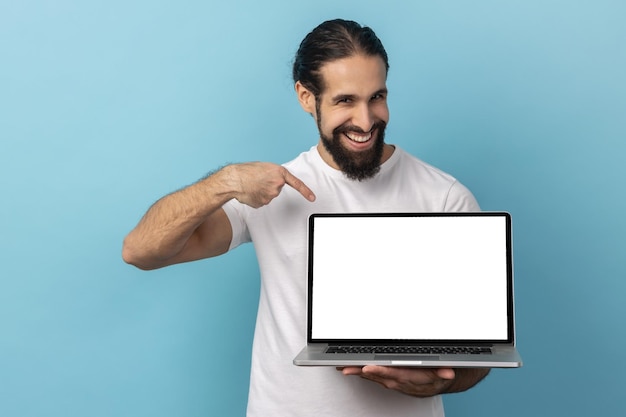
(434, 277)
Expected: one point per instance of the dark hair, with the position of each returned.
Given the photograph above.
(330, 41)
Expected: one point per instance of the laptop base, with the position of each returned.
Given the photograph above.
(314, 355)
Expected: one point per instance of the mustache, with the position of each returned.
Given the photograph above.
(351, 128)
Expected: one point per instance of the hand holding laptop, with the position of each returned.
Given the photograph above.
(419, 382)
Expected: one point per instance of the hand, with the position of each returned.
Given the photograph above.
(258, 183)
(418, 382)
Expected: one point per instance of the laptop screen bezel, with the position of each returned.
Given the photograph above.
(510, 338)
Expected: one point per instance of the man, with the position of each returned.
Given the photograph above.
(340, 74)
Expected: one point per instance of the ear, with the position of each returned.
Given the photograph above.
(306, 98)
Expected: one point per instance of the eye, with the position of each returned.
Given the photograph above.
(377, 97)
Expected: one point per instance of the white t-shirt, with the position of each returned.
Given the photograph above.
(279, 232)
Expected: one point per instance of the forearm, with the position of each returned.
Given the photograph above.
(167, 227)
(188, 225)
(465, 378)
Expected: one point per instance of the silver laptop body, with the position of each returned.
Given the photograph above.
(410, 289)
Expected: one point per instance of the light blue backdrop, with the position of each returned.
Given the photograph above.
(105, 106)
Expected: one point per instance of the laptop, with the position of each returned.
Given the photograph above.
(410, 289)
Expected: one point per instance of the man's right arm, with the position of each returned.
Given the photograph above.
(190, 224)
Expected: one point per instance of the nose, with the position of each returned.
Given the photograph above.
(363, 117)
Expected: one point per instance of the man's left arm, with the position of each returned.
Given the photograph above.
(421, 382)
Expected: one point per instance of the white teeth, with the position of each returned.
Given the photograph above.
(359, 138)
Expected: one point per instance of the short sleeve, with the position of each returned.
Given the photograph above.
(460, 199)
(236, 215)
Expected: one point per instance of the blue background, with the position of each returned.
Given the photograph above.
(105, 106)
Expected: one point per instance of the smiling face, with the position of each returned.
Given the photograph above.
(351, 114)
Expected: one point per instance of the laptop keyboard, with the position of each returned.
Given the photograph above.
(419, 350)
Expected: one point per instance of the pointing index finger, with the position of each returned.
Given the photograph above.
(297, 184)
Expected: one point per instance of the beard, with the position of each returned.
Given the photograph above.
(356, 165)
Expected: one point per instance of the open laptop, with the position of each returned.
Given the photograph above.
(410, 289)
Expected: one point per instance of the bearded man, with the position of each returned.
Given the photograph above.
(340, 74)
